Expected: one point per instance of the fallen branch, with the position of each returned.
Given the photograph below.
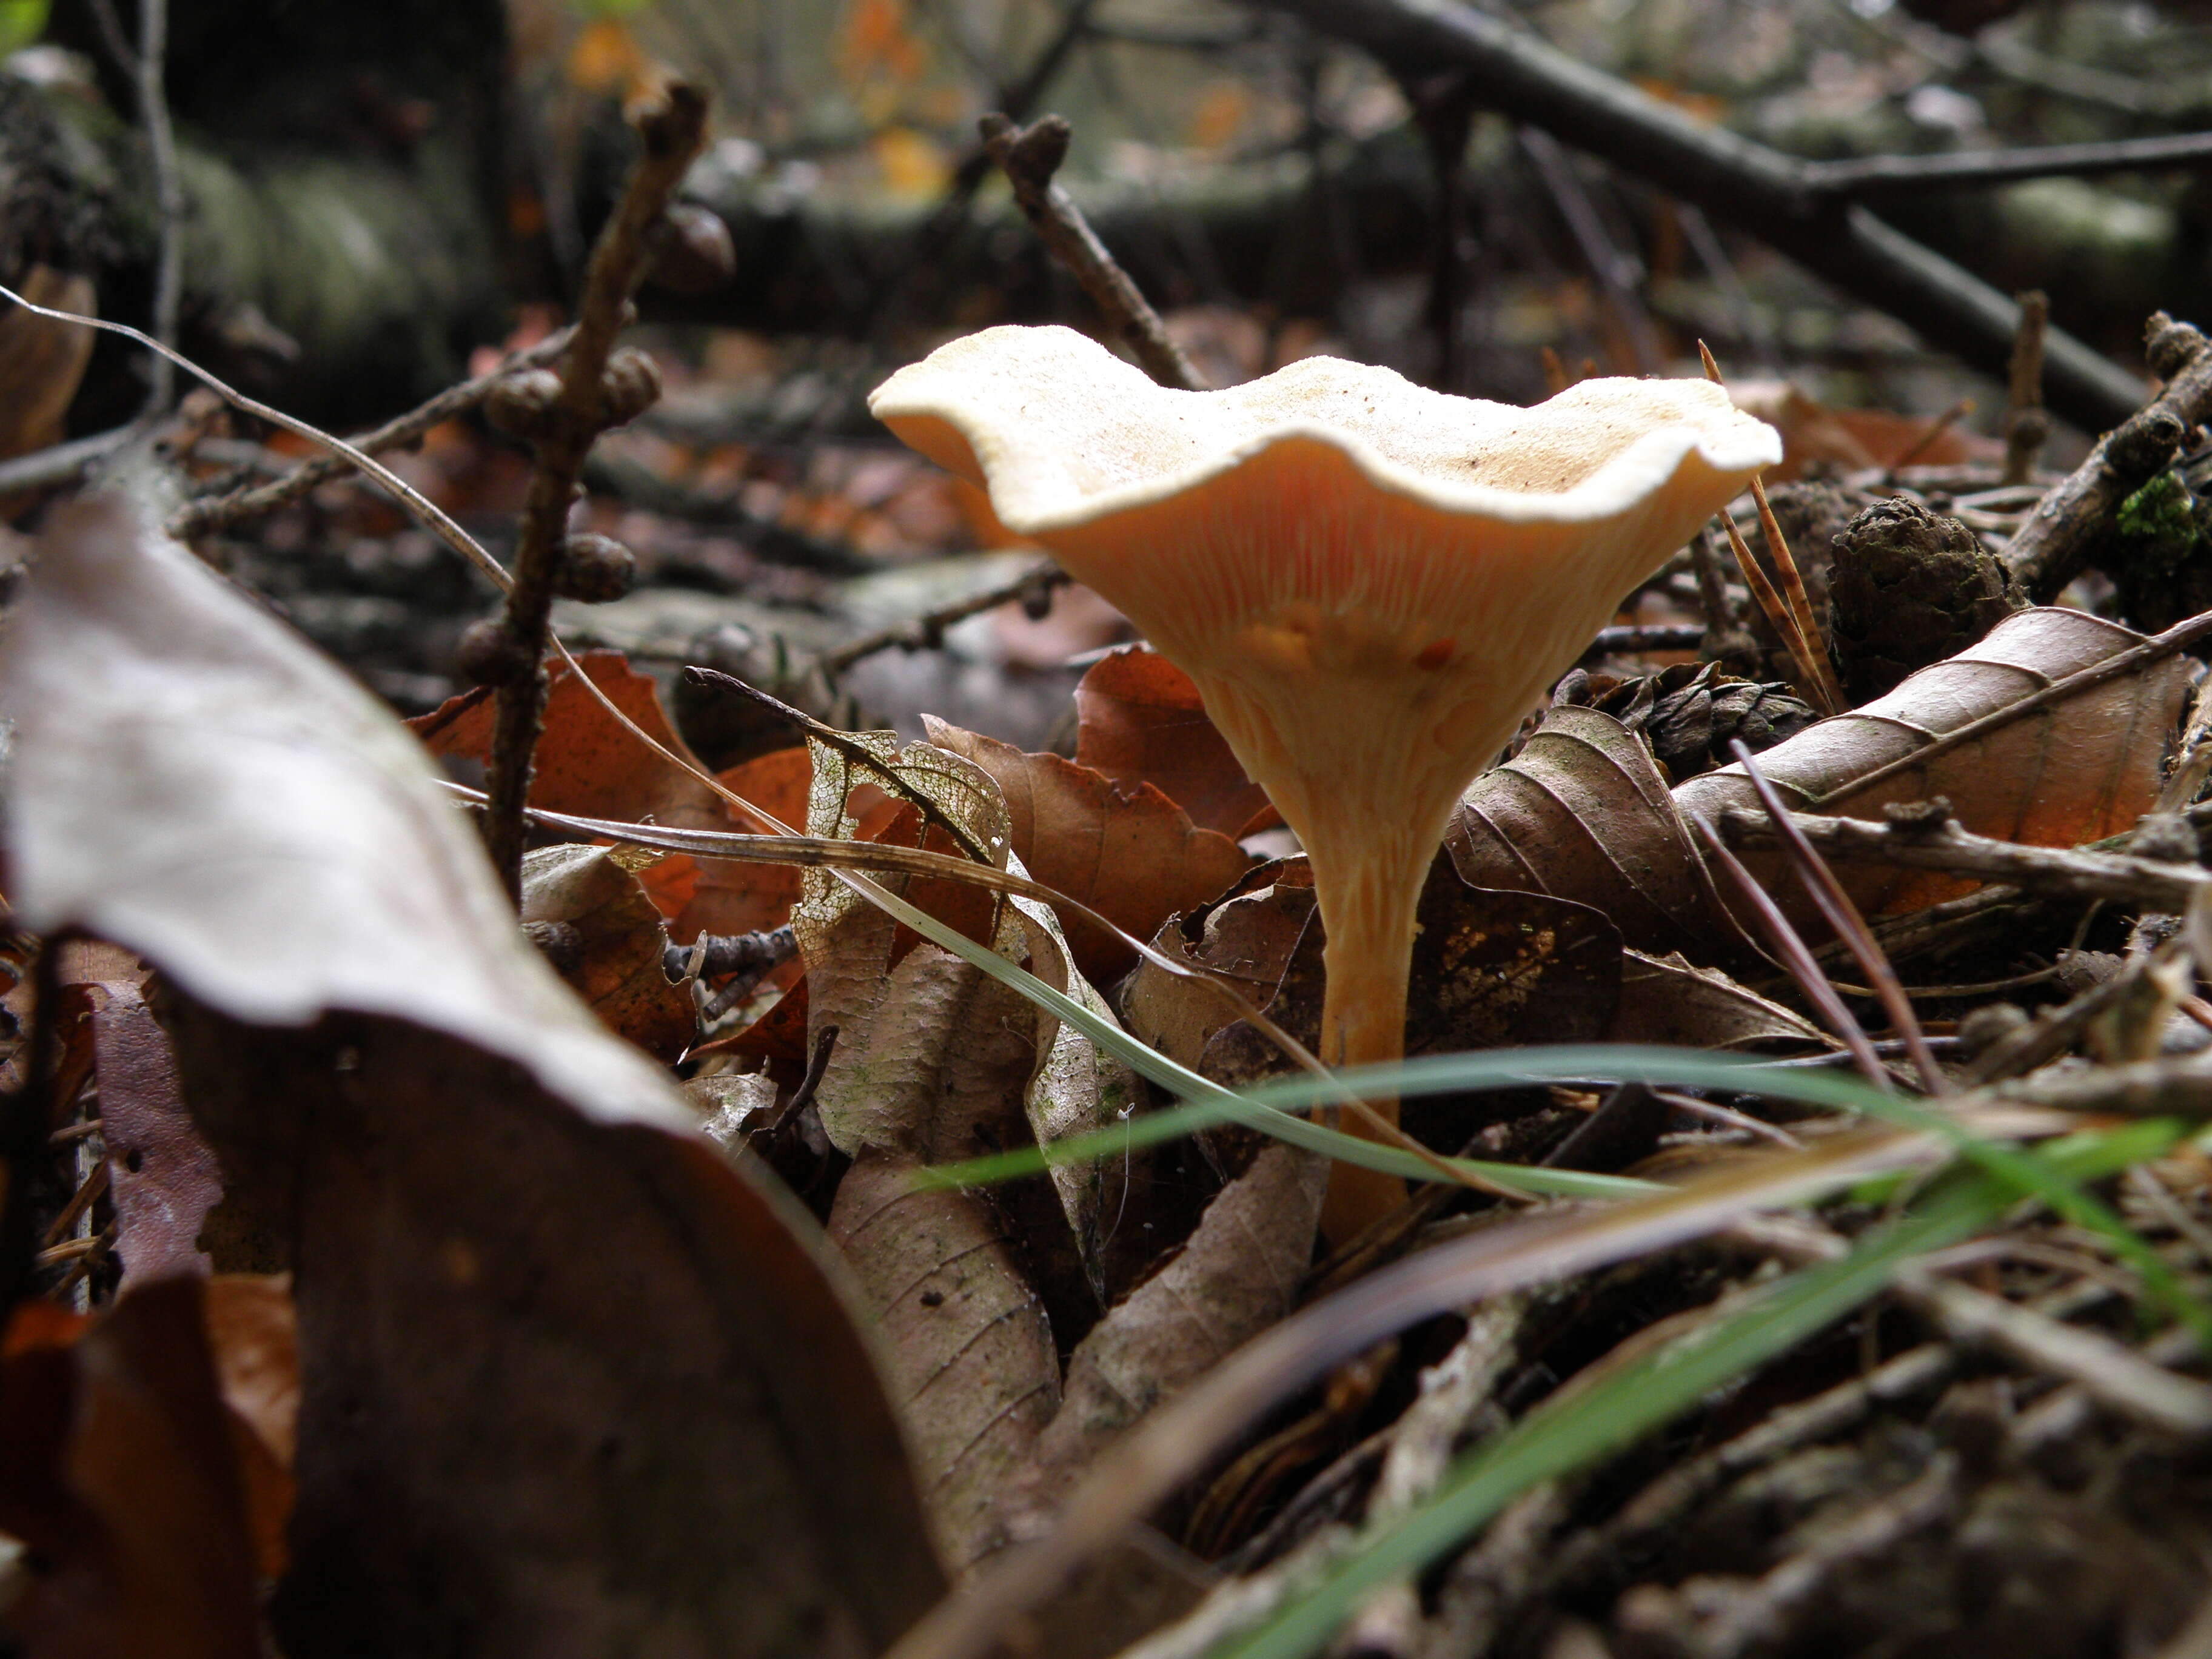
(927, 631)
(1893, 175)
(2051, 547)
(1778, 198)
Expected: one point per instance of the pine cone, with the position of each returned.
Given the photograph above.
(1909, 587)
(1691, 712)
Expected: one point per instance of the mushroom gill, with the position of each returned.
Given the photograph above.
(1370, 583)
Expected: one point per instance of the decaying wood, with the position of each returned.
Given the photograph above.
(2058, 540)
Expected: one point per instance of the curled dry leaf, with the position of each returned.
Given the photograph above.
(680, 1426)
(1239, 1274)
(2076, 771)
(1140, 720)
(617, 945)
(936, 1060)
(1581, 812)
(119, 1474)
(1129, 853)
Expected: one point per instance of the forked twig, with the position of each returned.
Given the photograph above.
(671, 133)
(218, 512)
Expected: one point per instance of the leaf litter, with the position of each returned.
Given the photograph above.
(459, 1120)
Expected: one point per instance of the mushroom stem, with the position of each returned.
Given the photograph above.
(1368, 914)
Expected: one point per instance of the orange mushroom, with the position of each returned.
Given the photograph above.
(1370, 583)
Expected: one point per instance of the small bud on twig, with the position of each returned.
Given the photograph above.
(594, 568)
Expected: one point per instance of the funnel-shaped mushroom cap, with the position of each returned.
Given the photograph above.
(1370, 582)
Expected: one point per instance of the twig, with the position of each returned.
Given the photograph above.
(927, 631)
(438, 521)
(63, 464)
(1843, 919)
(818, 1068)
(1933, 431)
(2117, 1377)
(2118, 666)
(2026, 426)
(1658, 636)
(2056, 540)
(848, 748)
(1887, 175)
(219, 512)
(2151, 884)
(672, 133)
(150, 68)
(730, 953)
(1030, 156)
(1617, 274)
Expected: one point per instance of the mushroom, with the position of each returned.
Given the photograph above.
(1370, 583)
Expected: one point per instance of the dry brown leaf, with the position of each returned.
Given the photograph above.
(620, 940)
(971, 1347)
(1246, 937)
(117, 1471)
(590, 764)
(254, 1336)
(1580, 812)
(1238, 1274)
(587, 763)
(2073, 772)
(163, 1178)
(1815, 435)
(1130, 853)
(1669, 1001)
(1141, 720)
(679, 1426)
(42, 362)
(936, 1060)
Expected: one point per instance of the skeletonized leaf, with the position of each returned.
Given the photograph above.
(433, 1122)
